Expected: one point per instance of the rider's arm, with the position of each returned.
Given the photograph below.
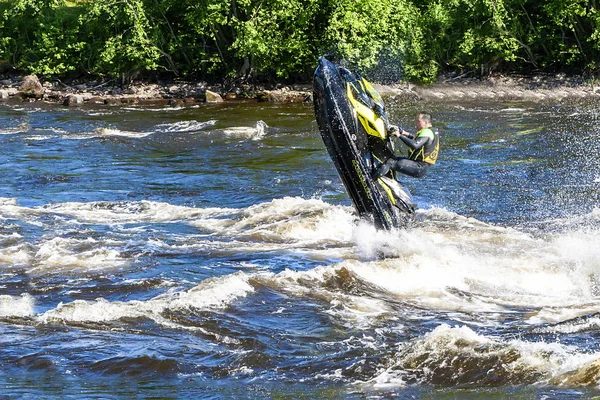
(406, 133)
(414, 143)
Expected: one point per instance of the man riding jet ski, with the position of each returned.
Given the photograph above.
(424, 147)
(354, 127)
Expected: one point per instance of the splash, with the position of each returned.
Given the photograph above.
(256, 132)
(445, 252)
(450, 263)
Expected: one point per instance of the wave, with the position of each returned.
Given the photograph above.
(14, 251)
(444, 261)
(284, 220)
(289, 224)
(184, 126)
(132, 212)
(210, 294)
(104, 132)
(278, 220)
(452, 356)
(583, 318)
(21, 128)
(451, 263)
(353, 302)
(444, 264)
(256, 132)
(63, 255)
(16, 306)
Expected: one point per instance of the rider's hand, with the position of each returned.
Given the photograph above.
(394, 130)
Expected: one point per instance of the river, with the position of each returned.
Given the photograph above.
(212, 252)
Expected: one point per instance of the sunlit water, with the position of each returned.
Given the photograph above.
(213, 252)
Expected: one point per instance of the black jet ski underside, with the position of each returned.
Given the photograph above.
(384, 201)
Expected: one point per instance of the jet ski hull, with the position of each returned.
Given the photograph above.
(353, 152)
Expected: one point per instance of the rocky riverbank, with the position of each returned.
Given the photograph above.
(30, 88)
(452, 88)
(509, 88)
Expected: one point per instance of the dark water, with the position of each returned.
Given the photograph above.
(212, 252)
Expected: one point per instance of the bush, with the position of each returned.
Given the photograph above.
(387, 40)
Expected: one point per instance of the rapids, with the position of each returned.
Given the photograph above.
(212, 252)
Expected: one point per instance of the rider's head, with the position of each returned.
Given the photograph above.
(423, 120)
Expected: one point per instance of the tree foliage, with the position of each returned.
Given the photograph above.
(128, 45)
(281, 39)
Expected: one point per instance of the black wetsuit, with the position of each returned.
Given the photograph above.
(404, 165)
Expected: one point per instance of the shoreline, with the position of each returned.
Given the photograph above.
(498, 87)
(451, 88)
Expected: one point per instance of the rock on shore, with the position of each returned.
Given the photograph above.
(31, 87)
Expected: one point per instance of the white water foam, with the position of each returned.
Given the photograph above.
(131, 212)
(16, 306)
(10, 209)
(176, 127)
(458, 355)
(287, 219)
(14, 251)
(61, 255)
(184, 126)
(444, 262)
(256, 132)
(104, 132)
(21, 128)
(499, 266)
(288, 224)
(451, 263)
(210, 294)
(281, 220)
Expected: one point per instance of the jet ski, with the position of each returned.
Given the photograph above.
(354, 127)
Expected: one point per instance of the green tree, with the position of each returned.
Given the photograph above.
(271, 36)
(120, 38)
(40, 36)
(282, 39)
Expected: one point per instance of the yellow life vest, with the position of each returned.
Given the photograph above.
(429, 151)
